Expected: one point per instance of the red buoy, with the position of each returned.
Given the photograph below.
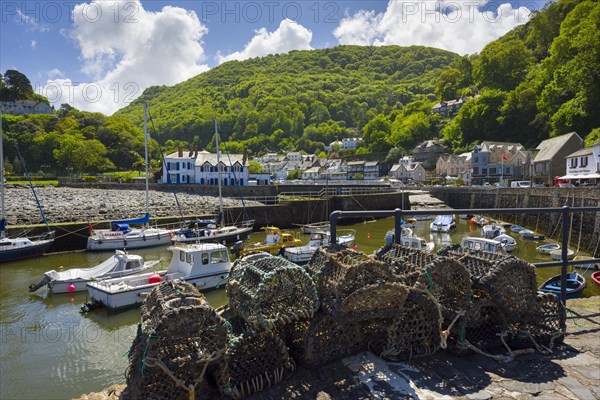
(154, 278)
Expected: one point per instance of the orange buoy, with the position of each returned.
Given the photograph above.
(154, 278)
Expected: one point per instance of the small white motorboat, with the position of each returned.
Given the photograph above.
(418, 243)
(528, 234)
(516, 228)
(404, 232)
(303, 254)
(204, 265)
(557, 254)
(75, 279)
(442, 224)
(493, 230)
(547, 248)
(314, 227)
(507, 241)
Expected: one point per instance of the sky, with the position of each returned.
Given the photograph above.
(100, 55)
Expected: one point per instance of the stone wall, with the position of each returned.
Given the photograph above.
(584, 227)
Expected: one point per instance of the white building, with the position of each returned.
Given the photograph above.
(25, 107)
(202, 168)
(408, 172)
(583, 165)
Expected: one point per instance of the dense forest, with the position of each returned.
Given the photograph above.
(539, 80)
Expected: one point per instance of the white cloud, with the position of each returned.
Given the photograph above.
(55, 73)
(461, 26)
(33, 44)
(288, 36)
(31, 21)
(127, 51)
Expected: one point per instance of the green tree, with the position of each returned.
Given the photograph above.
(410, 131)
(447, 84)
(502, 64)
(16, 86)
(254, 167)
(592, 137)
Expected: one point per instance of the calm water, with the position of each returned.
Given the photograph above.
(48, 350)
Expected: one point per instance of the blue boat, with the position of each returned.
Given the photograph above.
(575, 285)
(516, 228)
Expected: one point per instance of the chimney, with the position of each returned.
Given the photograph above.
(180, 152)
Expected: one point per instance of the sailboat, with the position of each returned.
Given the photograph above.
(12, 249)
(121, 235)
(217, 231)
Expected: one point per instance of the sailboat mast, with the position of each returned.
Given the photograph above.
(146, 156)
(219, 169)
(2, 215)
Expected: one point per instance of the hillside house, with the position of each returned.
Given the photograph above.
(25, 107)
(549, 162)
(427, 153)
(583, 165)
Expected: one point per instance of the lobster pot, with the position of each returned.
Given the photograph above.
(352, 284)
(393, 253)
(509, 281)
(271, 291)
(176, 344)
(480, 326)
(323, 339)
(545, 324)
(154, 304)
(254, 360)
(414, 332)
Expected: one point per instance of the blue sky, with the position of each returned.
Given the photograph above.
(100, 55)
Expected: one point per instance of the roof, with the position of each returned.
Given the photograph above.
(549, 147)
(583, 152)
(414, 166)
(371, 163)
(211, 158)
(395, 167)
(356, 163)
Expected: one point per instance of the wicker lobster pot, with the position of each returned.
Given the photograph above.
(271, 291)
(414, 332)
(509, 281)
(353, 285)
(255, 360)
(179, 340)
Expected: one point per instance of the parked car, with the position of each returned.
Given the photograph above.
(566, 185)
(520, 184)
(500, 185)
(487, 184)
(539, 185)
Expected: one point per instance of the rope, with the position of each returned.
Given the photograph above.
(444, 335)
(146, 353)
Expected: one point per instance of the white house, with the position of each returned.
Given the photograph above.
(202, 168)
(406, 172)
(583, 165)
(26, 107)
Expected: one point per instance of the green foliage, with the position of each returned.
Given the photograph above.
(254, 167)
(410, 131)
(295, 174)
(459, 181)
(592, 138)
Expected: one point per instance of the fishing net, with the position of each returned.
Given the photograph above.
(414, 332)
(479, 327)
(543, 327)
(269, 291)
(180, 337)
(509, 281)
(350, 283)
(323, 339)
(254, 360)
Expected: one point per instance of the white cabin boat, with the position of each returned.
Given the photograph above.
(493, 230)
(508, 241)
(314, 227)
(442, 224)
(418, 243)
(303, 254)
(404, 232)
(482, 244)
(121, 236)
(75, 279)
(204, 265)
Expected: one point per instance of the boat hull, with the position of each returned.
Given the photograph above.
(576, 283)
(36, 249)
(231, 238)
(129, 243)
(596, 278)
(134, 297)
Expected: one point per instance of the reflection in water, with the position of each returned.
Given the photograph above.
(64, 354)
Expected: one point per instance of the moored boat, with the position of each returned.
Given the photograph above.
(75, 279)
(528, 234)
(275, 239)
(596, 278)
(557, 254)
(493, 230)
(204, 265)
(516, 228)
(303, 254)
(547, 248)
(482, 244)
(575, 285)
(404, 232)
(314, 227)
(442, 224)
(588, 266)
(507, 241)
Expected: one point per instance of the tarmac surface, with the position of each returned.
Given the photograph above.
(571, 371)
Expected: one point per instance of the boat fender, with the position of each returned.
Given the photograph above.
(158, 234)
(124, 242)
(144, 237)
(100, 241)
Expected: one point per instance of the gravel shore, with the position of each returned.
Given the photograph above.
(74, 205)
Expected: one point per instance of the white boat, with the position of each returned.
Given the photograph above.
(547, 248)
(303, 254)
(12, 249)
(75, 279)
(443, 223)
(528, 234)
(493, 230)
(418, 243)
(588, 266)
(557, 254)
(120, 235)
(508, 241)
(404, 232)
(482, 244)
(314, 227)
(204, 265)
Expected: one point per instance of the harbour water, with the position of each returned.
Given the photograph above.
(48, 350)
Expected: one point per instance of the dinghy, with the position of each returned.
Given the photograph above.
(547, 248)
(508, 242)
(516, 228)
(575, 285)
(557, 254)
(596, 278)
(588, 266)
(531, 235)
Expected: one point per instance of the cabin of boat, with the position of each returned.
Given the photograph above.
(204, 265)
(122, 236)
(482, 244)
(493, 230)
(303, 254)
(275, 239)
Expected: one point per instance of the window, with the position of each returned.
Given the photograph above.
(584, 162)
(574, 162)
(204, 258)
(476, 159)
(177, 166)
(538, 168)
(218, 257)
(132, 264)
(189, 258)
(181, 256)
(547, 166)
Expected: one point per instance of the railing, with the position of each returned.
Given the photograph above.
(565, 212)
